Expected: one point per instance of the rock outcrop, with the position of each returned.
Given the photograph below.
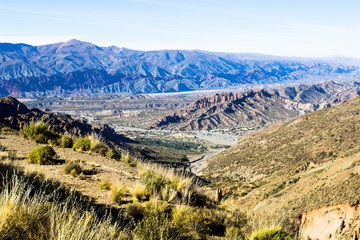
(249, 110)
(340, 221)
(256, 108)
(15, 115)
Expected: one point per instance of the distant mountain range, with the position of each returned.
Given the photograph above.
(255, 109)
(80, 66)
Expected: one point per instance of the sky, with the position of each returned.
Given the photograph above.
(307, 28)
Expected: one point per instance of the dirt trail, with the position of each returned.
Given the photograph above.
(200, 161)
(98, 169)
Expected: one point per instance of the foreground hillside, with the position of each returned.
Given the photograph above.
(297, 166)
(83, 195)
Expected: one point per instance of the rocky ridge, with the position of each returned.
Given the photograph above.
(15, 115)
(256, 108)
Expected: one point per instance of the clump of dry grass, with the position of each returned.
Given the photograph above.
(168, 185)
(93, 144)
(28, 214)
(126, 158)
(118, 192)
(140, 192)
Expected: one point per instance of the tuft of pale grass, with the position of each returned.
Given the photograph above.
(140, 192)
(28, 214)
(118, 192)
(169, 185)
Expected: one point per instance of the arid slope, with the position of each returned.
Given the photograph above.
(295, 166)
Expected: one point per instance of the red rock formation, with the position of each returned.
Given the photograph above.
(251, 109)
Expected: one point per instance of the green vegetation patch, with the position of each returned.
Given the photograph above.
(39, 132)
(42, 155)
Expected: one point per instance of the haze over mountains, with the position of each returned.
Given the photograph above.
(80, 66)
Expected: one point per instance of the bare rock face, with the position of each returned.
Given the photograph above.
(256, 108)
(10, 106)
(249, 110)
(332, 222)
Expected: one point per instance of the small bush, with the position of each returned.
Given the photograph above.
(105, 185)
(6, 130)
(98, 146)
(39, 132)
(118, 193)
(155, 226)
(155, 206)
(274, 233)
(191, 220)
(126, 158)
(42, 155)
(135, 210)
(110, 154)
(153, 182)
(65, 141)
(72, 168)
(82, 144)
(234, 233)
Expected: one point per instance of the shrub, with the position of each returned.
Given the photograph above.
(39, 132)
(234, 233)
(170, 186)
(274, 233)
(154, 226)
(154, 206)
(42, 155)
(105, 185)
(65, 141)
(72, 168)
(152, 181)
(82, 144)
(191, 220)
(135, 210)
(5, 130)
(110, 154)
(119, 192)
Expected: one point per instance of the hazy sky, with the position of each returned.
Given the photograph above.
(279, 27)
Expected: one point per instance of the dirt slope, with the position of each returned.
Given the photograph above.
(294, 167)
(98, 168)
